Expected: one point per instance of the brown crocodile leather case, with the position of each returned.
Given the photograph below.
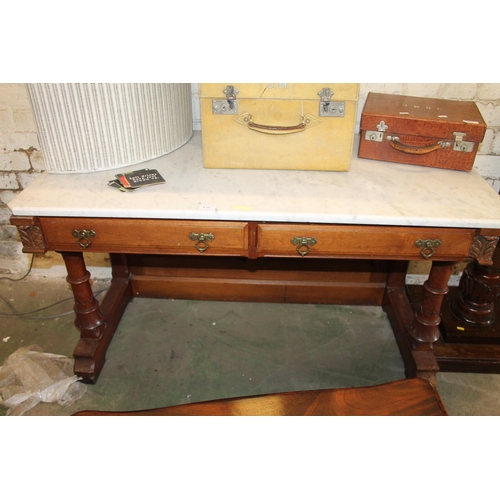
(421, 131)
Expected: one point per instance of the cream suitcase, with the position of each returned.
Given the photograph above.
(286, 126)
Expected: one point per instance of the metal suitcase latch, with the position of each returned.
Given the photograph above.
(228, 106)
(378, 135)
(461, 145)
(327, 107)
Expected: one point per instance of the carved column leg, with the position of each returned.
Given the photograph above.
(479, 289)
(89, 319)
(468, 343)
(424, 329)
(479, 286)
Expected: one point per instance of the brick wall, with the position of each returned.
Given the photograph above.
(21, 160)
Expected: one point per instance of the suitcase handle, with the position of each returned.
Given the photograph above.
(413, 149)
(276, 129)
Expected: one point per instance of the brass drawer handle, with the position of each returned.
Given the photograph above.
(428, 247)
(202, 240)
(83, 236)
(303, 244)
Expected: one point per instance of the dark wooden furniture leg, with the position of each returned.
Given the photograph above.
(96, 322)
(474, 303)
(424, 329)
(470, 317)
(479, 290)
(417, 330)
(89, 319)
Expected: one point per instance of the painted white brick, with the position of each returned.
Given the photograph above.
(495, 148)
(7, 196)
(486, 147)
(488, 166)
(24, 120)
(490, 113)
(195, 101)
(488, 91)
(5, 214)
(14, 95)
(37, 161)
(15, 266)
(423, 89)
(494, 183)
(8, 181)
(384, 88)
(26, 179)
(6, 161)
(8, 232)
(14, 161)
(6, 120)
(19, 161)
(10, 250)
(17, 140)
(466, 91)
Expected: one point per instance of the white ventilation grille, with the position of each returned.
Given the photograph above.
(86, 127)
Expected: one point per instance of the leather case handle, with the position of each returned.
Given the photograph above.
(276, 129)
(415, 149)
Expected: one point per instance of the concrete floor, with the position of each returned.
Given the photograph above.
(168, 352)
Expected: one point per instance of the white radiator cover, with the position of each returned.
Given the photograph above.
(86, 127)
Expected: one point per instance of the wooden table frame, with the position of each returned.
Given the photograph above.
(251, 242)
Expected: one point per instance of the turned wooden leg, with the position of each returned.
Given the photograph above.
(417, 328)
(418, 358)
(424, 328)
(96, 322)
(89, 318)
(425, 325)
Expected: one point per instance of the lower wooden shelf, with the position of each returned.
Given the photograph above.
(348, 282)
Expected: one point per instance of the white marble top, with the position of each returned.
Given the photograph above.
(372, 192)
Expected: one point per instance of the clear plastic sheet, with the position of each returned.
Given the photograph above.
(30, 376)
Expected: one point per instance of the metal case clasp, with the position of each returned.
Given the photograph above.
(378, 135)
(228, 106)
(327, 107)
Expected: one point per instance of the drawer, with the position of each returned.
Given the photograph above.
(145, 236)
(373, 242)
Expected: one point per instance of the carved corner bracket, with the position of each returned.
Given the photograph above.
(31, 234)
(482, 249)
